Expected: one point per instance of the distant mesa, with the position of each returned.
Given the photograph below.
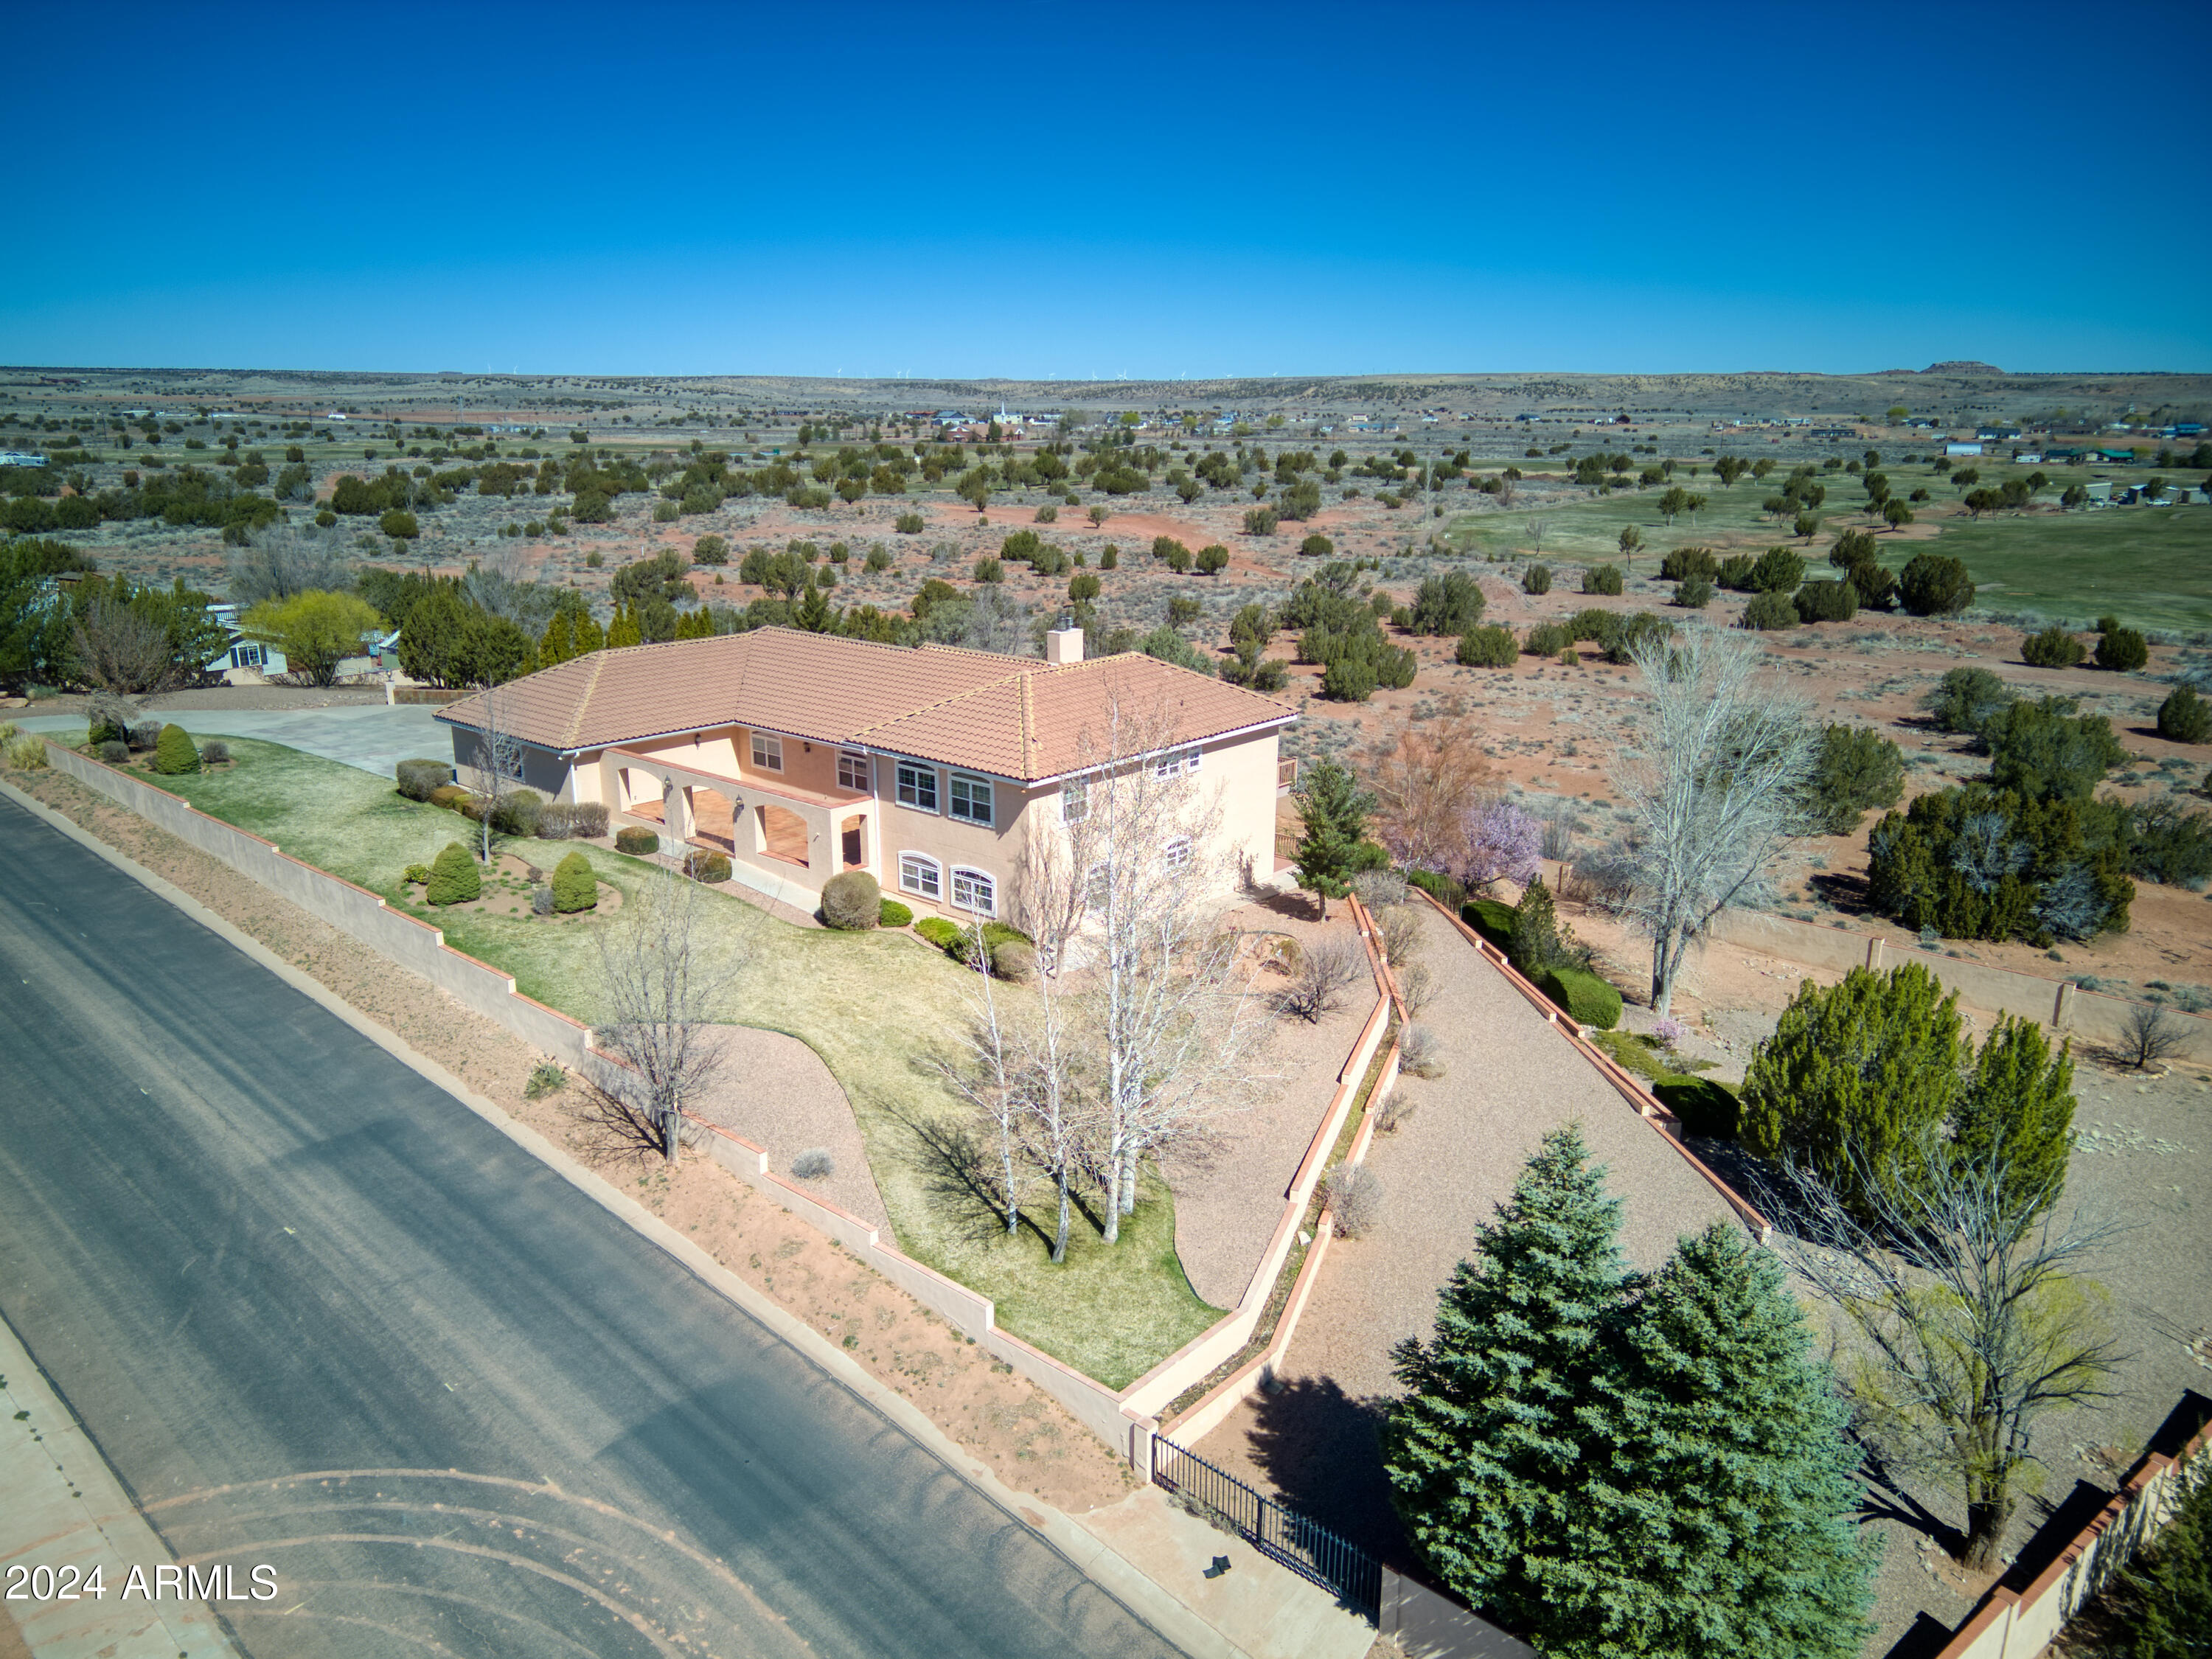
(1966, 366)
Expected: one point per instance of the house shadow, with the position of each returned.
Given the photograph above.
(1320, 1450)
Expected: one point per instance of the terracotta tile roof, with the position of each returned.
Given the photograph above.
(1014, 717)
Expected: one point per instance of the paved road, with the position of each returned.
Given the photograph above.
(368, 735)
(320, 1315)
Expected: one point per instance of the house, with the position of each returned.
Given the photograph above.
(22, 458)
(801, 756)
(250, 655)
(1954, 447)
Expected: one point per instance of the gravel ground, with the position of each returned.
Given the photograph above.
(1509, 1079)
(775, 1091)
(1229, 1196)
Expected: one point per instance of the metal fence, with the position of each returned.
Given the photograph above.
(1306, 1547)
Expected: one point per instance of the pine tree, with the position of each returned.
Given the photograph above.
(1715, 1518)
(1484, 1449)
(625, 630)
(2018, 1109)
(1332, 847)
(1538, 942)
(584, 635)
(814, 614)
(1870, 1066)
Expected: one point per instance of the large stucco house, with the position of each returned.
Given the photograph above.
(803, 755)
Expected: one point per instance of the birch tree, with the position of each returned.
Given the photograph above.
(498, 763)
(662, 979)
(1711, 781)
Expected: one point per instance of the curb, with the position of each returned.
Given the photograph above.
(1148, 1600)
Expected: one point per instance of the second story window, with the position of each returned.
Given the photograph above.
(852, 771)
(917, 787)
(971, 799)
(768, 751)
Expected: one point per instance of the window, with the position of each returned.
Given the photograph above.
(974, 891)
(918, 874)
(1074, 801)
(1176, 853)
(917, 787)
(1098, 886)
(971, 799)
(852, 771)
(768, 751)
(1175, 763)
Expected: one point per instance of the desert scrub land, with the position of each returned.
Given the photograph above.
(877, 1007)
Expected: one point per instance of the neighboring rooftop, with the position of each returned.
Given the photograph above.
(1015, 717)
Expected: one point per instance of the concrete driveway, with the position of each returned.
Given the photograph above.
(371, 735)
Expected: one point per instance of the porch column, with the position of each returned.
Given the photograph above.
(676, 811)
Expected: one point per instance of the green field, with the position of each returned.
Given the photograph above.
(877, 1007)
(2152, 567)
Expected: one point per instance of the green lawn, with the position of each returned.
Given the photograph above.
(2150, 566)
(876, 1007)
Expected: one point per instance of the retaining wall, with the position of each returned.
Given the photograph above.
(2018, 1624)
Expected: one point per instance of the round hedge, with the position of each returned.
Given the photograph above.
(1588, 1000)
(574, 885)
(637, 841)
(173, 754)
(851, 901)
(454, 878)
(892, 913)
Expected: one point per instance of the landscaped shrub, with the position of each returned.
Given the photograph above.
(938, 931)
(1546, 640)
(416, 874)
(1770, 612)
(541, 902)
(145, 734)
(2185, 717)
(892, 913)
(815, 1163)
(1536, 579)
(997, 936)
(1492, 918)
(1489, 646)
(704, 864)
(454, 878)
(1705, 1105)
(637, 841)
(1826, 601)
(573, 821)
(575, 887)
(1602, 579)
(1014, 960)
(215, 752)
(1355, 1200)
(417, 779)
(516, 812)
(2123, 650)
(2054, 647)
(1590, 999)
(852, 901)
(1419, 1053)
(27, 753)
(173, 754)
(450, 796)
(1447, 889)
(114, 751)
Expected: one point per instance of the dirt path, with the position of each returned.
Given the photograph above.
(1022, 1435)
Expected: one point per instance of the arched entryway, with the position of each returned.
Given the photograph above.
(783, 834)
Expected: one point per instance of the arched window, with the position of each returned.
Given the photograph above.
(921, 875)
(974, 891)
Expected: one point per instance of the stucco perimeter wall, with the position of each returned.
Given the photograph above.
(2063, 1006)
(413, 945)
(2018, 1624)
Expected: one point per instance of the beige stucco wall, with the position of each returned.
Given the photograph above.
(948, 840)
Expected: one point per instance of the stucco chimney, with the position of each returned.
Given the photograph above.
(1064, 644)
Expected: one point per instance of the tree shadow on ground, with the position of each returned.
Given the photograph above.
(965, 1186)
(1320, 1450)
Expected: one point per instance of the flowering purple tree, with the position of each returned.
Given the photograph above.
(1503, 843)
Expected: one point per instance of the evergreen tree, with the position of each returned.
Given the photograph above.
(1333, 845)
(584, 635)
(1871, 1065)
(1538, 943)
(558, 642)
(814, 614)
(2018, 1108)
(623, 629)
(1716, 1519)
(1484, 1450)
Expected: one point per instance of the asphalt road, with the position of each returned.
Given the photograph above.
(320, 1315)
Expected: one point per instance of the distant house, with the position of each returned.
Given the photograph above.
(2117, 456)
(1956, 447)
(2028, 458)
(20, 457)
(2099, 490)
(242, 655)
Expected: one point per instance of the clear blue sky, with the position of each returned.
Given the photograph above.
(1105, 191)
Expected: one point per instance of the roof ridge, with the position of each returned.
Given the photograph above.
(583, 703)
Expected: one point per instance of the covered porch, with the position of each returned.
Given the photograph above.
(793, 834)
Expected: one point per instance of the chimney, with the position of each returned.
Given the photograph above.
(1064, 644)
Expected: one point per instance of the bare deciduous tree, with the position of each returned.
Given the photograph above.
(1711, 779)
(1973, 1311)
(2150, 1035)
(1425, 781)
(498, 762)
(285, 559)
(1536, 527)
(662, 981)
(1324, 971)
(124, 651)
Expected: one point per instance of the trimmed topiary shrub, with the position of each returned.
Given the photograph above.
(939, 931)
(449, 796)
(637, 841)
(419, 779)
(2185, 717)
(454, 878)
(2123, 650)
(575, 887)
(1704, 1106)
(2054, 647)
(891, 914)
(1488, 647)
(1492, 918)
(703, 864)
(1585, 997)
(173, 754)
(851, 901)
